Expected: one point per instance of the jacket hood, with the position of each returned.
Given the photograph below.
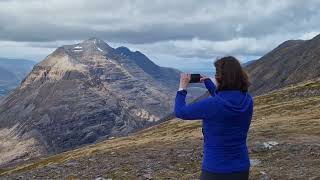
(235, 100)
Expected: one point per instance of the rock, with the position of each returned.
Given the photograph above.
(314, 178)
(264, 176)
(101, 178)
(258, 147)
(270, 144)
(73, 164)
(264, 146)
(147, 176)
(92, 159)
(255, 162)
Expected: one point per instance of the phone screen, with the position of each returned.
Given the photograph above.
(195, 78)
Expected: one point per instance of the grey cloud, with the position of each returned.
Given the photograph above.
(184, 28)
(147, 22)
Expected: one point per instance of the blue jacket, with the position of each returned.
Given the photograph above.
(226, 116)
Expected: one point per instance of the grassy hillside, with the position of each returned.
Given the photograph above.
(291, 62)
(283, 142)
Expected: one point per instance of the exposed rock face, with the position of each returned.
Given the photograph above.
(15, 149)
(291, 62)
(81, 93)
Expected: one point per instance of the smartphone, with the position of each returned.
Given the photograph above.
(195, 78)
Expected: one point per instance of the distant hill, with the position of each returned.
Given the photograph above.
(283, 143)
(7, 75)
(18, 66)
(163, 74)
(12, 71)
(291, 62)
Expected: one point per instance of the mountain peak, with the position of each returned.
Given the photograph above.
(123, 49)
(316, 38)
(92, 44)
(94, 40)
(128, 52)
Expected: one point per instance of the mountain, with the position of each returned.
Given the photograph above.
(162, 74)
(248, 63)
(12, 71)
(283, 143)
(291, 62)
(84, 93)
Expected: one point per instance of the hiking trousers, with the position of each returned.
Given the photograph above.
(206, 175)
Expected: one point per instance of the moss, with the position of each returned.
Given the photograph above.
(186, 129)
(72, 176)
(38, 164)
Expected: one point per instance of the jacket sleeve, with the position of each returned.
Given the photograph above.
(193, 111)
(210, 86)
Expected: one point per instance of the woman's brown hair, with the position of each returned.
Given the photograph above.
(230, 75)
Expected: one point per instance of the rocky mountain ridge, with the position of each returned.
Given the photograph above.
(291, 62)
(83, 93)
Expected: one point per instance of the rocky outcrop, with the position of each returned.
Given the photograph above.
(85, 92)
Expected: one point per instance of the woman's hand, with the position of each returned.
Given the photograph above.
(184, 80)
(203, 77)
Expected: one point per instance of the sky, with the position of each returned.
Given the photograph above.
(186, 34)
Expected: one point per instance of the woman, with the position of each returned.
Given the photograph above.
(226, 116)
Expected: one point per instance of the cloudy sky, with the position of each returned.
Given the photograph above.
(177, 33)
